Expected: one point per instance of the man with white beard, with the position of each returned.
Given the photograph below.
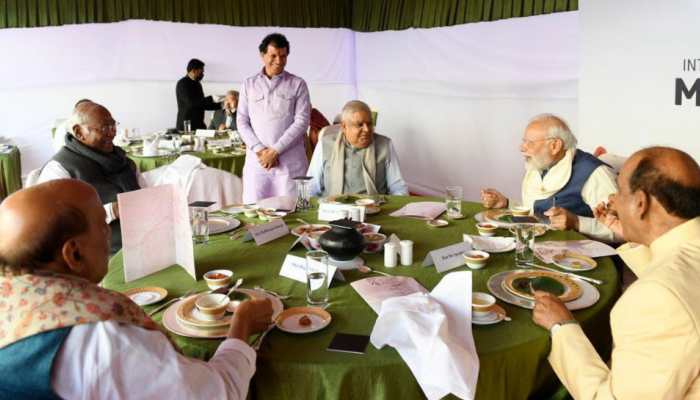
(562, 182)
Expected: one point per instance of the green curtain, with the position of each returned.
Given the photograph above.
(360, 15)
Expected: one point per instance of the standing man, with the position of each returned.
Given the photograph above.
(191, 102)
(273, 115)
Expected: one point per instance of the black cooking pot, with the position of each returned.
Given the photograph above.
(343, 242)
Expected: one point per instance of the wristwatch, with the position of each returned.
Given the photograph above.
(558, 325)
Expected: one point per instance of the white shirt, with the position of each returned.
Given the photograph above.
(394, 180)
(109, 360)
(54, 170)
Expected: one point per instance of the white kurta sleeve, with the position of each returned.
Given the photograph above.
(599, 186)
(109, 360)
(394, 180)
(315, 171)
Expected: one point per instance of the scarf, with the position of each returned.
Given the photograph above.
(337, 164)
(35, 303)
(536, 187)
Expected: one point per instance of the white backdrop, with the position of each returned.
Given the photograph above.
(633, 51)
(454, 99)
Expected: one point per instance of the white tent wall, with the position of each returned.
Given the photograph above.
(455, 100)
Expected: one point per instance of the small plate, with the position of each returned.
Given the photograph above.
(306, 229)
(222, 224)
(572, 261)
(496, 315)
(288, 321)
(147, 295)
(459, 216)
(436, 223)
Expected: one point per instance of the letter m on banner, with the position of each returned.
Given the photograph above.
(682, 90)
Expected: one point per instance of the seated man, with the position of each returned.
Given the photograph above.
(226, 118)
(655, 321)
(356, 160)
(560, 181)
(63, 336)
(62, 127)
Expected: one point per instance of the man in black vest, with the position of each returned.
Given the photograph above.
(191, 102)
(90, 156)
(226, 118)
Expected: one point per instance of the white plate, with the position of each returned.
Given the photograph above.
(173, 325)
(491, 244)
(147, 295)
(288, 321)
(490, 319)
(222, 224)
(576, 264)
(589, 297)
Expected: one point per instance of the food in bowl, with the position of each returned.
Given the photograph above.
(486, 229)
(476, 259)
(374, 242)
(218, 278)
(364, 228)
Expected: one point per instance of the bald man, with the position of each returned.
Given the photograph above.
(655, 322)
(63, 336)
(562, 182)
(90, 155)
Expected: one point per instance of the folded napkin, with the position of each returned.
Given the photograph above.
(494, 244)
(432, 333)
(421, 209)
(180, 172)
(286, 203)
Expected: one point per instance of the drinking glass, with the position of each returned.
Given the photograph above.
(177, 143)
(188, 126)
(317, 278)
(453, 202)
(524, 244)
(199, 217)
(303, 197)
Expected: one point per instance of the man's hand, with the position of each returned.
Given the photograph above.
(549, 310)
(267, 158)
(251, 316)
(492, 198)
(606, 214)
(562, 219)
(221, 127)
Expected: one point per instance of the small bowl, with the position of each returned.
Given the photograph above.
(250, 211)
(212, 306)
(374, 242)
(482, 303)
(476, 259)
(520, 211)
(486, 229)
(218, 278)
(364, 202)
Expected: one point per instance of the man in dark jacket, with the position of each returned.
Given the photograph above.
(191, 102)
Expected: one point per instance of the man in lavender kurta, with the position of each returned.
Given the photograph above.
(273, 116)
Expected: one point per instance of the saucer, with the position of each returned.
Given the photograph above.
(188, 314)
(289, 320)
(436, 223)
(572, 261)
(496, 315)
(146, 295)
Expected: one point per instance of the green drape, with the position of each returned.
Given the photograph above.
(359, 15)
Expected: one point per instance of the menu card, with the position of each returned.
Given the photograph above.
(156, 231)
(421, 209)
(376, 289)
(546, 251)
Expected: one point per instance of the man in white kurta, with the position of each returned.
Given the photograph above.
(273, 116)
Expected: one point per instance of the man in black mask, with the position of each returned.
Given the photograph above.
(90, 156)
(191, 102)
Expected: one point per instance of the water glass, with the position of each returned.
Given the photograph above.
(453, 202)
(187, 126)
(199, 217)
(317, 278)
(303, 197)
(177, 143)
(524, 244)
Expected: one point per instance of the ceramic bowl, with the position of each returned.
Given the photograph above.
(374, 242)
(476, 259)
(212, 306)
(486, 229)
(364, 202)
(250, 211)
(482, 303)
(218, 278)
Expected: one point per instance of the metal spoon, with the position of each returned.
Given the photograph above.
(303, 222)
(233, 289)
(365, 270)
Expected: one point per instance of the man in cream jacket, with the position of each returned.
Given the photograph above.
(655, 324)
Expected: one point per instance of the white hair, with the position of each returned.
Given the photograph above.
(79, 117)
(233, 93)
(351, 107)
(556, 128)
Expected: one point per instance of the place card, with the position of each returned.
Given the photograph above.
(294, 267)
(332, 212)
(268, 232)
(219, 142)
(447, 258)
(206, 133)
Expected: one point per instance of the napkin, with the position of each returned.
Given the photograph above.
(494, 244)
(282, 203)
(432, 333)
(421, 209)
(180, 172)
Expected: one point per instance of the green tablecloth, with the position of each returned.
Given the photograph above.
(10, 172)
(512, 355)
(228, 162)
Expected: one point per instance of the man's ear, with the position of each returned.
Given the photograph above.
(557, 146)
(77, 132)
(72, 255)
(642, 202)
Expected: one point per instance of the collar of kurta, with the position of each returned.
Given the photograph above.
(278, 76)
(643, 259)
(537, 187)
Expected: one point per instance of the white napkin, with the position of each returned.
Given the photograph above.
(279, 203)
(494, 244)
(421, 209)
(180, 172)
(432, 333)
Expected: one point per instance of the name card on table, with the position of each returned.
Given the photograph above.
(448, 257)
(206, 133)
(332, 212)
(219, 142)
(268, 232)
(294, 267)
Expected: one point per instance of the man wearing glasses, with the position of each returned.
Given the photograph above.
(90, 156)
(561, 182)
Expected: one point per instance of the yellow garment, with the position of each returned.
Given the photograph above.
(654, 327)
(599, 186)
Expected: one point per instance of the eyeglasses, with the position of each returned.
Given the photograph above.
(528, 143)
(105, 129)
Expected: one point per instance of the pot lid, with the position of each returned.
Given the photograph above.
(344, 223)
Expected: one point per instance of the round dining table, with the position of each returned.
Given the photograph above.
(10, 171)
(226, 161)
(512, 354)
